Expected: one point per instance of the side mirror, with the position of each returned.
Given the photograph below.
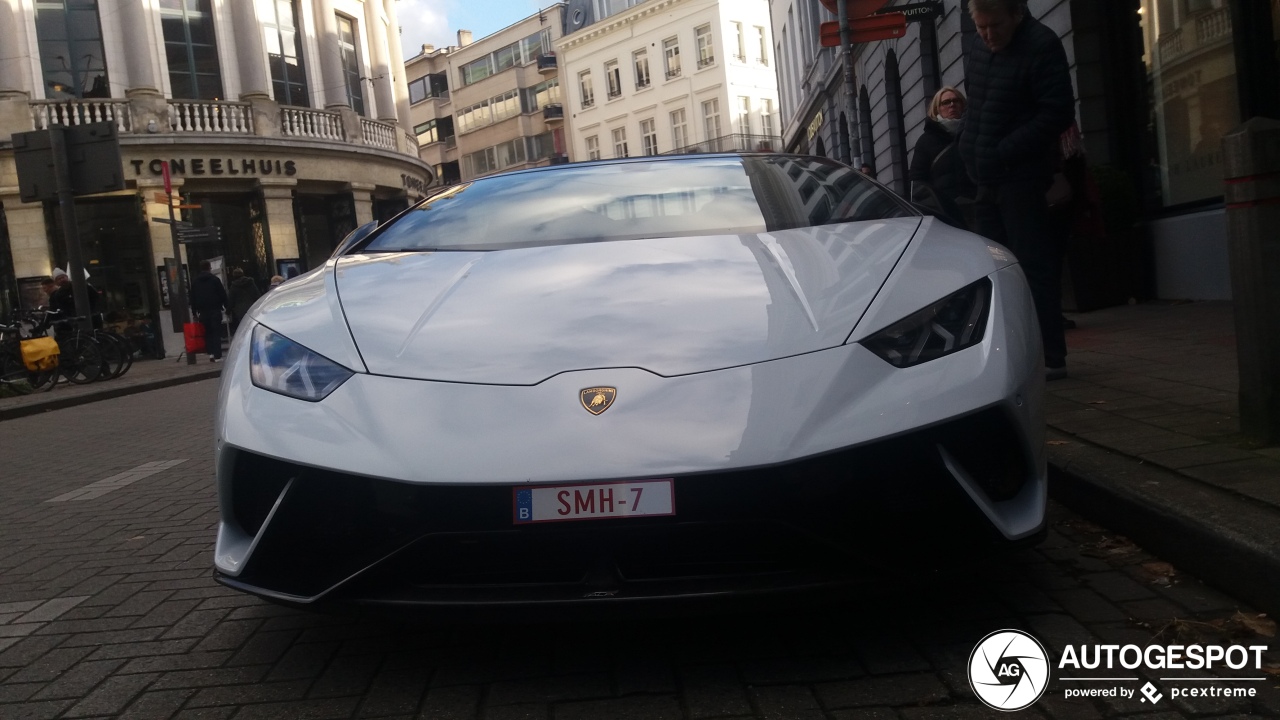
(354, 237)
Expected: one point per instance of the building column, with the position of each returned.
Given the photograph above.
(400, 84)
(14, 82)
(362, 194)
(139, 48)
(161, 248)
(335, 82)
(251, 50)
(28, 236)
(376, 32)
(277, 201)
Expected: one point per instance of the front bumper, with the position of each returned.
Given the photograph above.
(796, 473)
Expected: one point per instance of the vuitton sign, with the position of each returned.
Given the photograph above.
(215, 166)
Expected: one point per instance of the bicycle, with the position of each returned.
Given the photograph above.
(16, 377)
(81, 357)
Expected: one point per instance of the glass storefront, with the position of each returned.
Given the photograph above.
(1191, 71)
(116, 246)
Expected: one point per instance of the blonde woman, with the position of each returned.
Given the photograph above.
(939, 182)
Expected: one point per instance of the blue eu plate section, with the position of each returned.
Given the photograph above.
(524, 506)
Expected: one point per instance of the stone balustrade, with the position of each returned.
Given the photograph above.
(155, 115)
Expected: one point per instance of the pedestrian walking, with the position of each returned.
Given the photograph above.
(208, 300)
(1020, 102)
(240, 297)
(276, 281)
(939, 181)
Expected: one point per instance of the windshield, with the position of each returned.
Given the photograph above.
(705, 195)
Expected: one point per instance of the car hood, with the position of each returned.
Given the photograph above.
(671, 306)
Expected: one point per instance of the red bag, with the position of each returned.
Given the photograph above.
(193, 334)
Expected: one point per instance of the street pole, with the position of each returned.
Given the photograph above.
(846, 53)
(70, 229)
(178, 301)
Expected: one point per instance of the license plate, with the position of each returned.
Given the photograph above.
(592, 501)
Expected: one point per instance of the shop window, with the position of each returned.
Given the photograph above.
(1191, 66)
(868, 149)
(897, 122)
(71, 55)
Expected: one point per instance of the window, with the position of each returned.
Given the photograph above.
(766, 117)
(602, 202)
(493, 159)
(541, 95)
(427, 132)
(711, 118)
(69, 29)
(671, 56)
(521, 52)
(541, 146)
(1193, 97)
(741, 43)
(347, 40)
(641, 60)
(620, 143)
(605, 8)
(613, 79)
(474, 117)
(679, 130)
(428, 86)
(764, 45)
(584, 86)
(649, 136)
(706, 51)
(506, 105)
(593, 147)
(284, 51)
(192, 50)
(744, 115)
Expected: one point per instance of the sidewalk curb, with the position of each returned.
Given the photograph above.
(1228, 540)
(107, 393)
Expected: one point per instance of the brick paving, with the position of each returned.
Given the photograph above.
(108, 609)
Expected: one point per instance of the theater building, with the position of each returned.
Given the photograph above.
(1158, 83)
(284, 123)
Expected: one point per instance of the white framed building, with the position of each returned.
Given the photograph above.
(668, 76)
(284, 121)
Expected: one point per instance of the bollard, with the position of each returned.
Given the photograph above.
(1252, 169)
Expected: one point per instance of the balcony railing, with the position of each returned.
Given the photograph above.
(378, 134)
(673, 73)
(305, 122)
(553, 113)
(81, 112)
(149, 116)
(211, 116)
(737, 142)
(1206, 29)
(548, 64)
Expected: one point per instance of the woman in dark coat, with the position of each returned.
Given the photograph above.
(939, 182)
(240, 297)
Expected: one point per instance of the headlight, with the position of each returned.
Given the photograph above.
(949, 325)
(281, 365)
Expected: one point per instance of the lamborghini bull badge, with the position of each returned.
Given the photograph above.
(597, 399)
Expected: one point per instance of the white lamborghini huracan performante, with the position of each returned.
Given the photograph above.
(641, 379)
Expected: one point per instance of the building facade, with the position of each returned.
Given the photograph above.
(491, 105)
(1158, 83)
(668, 76)
(283, 123)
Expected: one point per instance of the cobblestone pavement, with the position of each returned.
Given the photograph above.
(107, 609)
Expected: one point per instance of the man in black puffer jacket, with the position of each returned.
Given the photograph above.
(1020, 102)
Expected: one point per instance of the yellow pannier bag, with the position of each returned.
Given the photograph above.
(40, 353)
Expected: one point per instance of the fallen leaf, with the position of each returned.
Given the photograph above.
(1272, 670)
(1058, 442)
(1258, 623)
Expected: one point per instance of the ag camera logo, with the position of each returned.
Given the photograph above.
(1009, 670)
